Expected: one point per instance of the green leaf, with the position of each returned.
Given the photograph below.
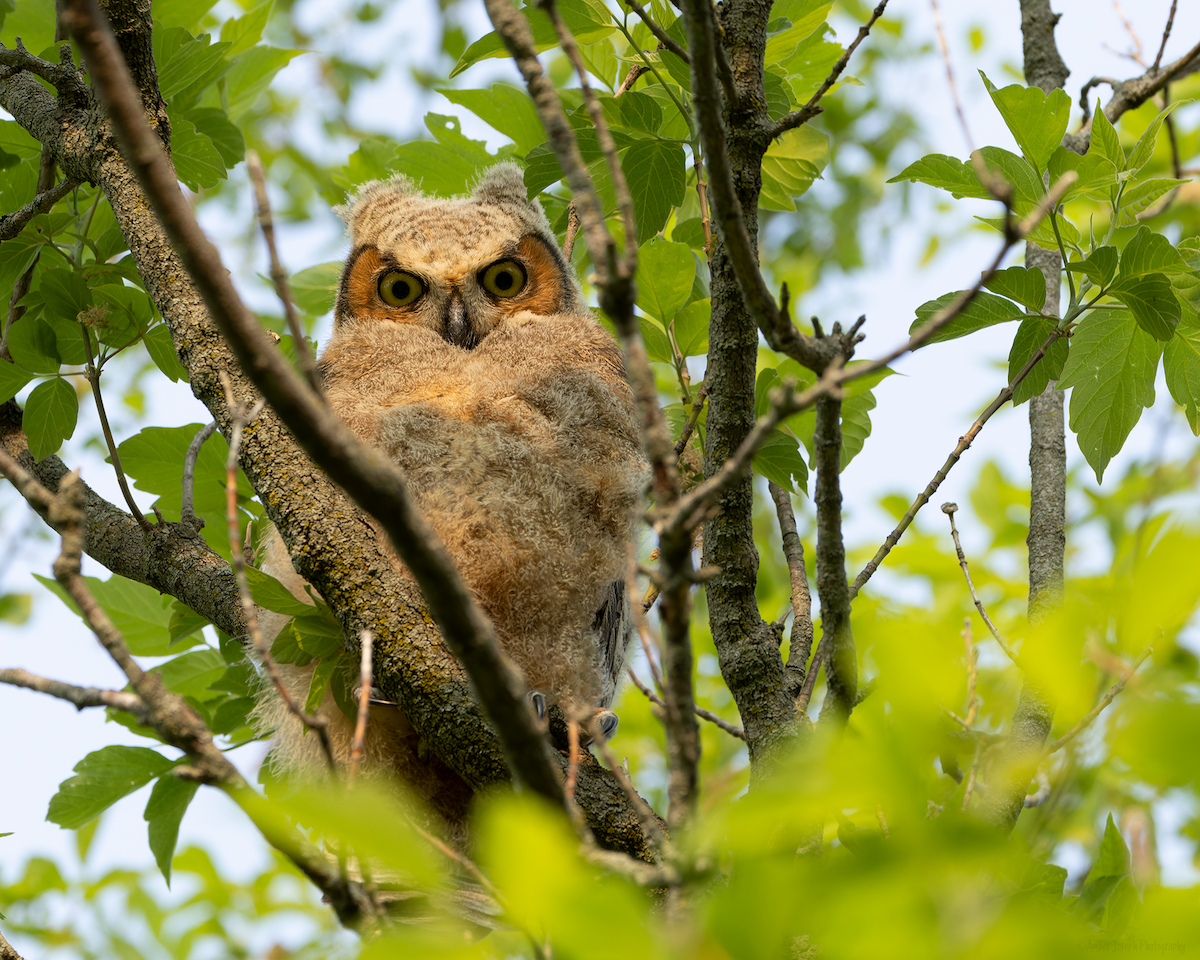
(1105, 142)
(1111, 367)
(666, 273)
(1140, 197)
(162, 351)
(691, 328)
(252, 73)
(1152, 302)
(184, 622)
(984, 310)
(12, 380)
(782, 45)
(50, 416)
(791, 164)
(658, 344)
(1036, 120)
(1016, 171)
(15, 607)
(197, 162)
(1181, 365)
(657, 176)
(15, 139)
(442, 168)
(164, 812)
(102, 778)
(322, 674)
(215, 124)
(1031, 334)
(505, 108)
(318, 633)
(314, 288)
(1100, 267)
(1113, 858)
(128, 312)
(780, 461)
(1097, 174)
(191, 674)
(186, 66)
(1024, 284)
(272, 595)
(1143, 150)
(245, 31)
(65, 293)
(1148, 252)
(33, 345)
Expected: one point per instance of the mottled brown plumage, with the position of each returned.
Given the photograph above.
(462, 346)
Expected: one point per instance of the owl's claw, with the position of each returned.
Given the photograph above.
(606, 721)
(537, 700)
(375, 697)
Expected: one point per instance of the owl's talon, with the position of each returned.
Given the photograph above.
(376, 695)
(537, 700)
(606, 721)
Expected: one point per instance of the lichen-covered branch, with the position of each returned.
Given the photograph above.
(80, 697)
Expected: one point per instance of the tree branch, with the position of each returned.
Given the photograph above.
(1100, 707)
(800, 645)
(949, 509)
(12, 224)
(79, 696)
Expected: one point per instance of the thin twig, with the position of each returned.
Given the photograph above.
(92, 372)
(187, 516)
(632, 76)
(945, 49)
(651, 825)
(1099, 707)
(964, 442)
(304, 358)
(659, 33)
(812, 108)
(810, 680)
(800, 644)
(365, 679)
(573, 758)
(972, 774)
(949, 509)
(972, 662)
(692, 420)
(240, 418)
(12, 224)
(1166, 36)
(572, 230)
(729, 728)
(81, 697)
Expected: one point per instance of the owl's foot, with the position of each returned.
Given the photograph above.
(376, 695)
(606, 721)
(537, 700)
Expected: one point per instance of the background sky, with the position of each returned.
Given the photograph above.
(918, 420)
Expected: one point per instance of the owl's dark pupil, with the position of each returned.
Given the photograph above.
(400, 289)
(504, 280)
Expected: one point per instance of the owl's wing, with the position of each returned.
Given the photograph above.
(613, 629)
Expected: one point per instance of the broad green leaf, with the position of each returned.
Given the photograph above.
(946, 173)
(1016, 171)
(780, 461)
(1036, 120)
(791, 164)
(102, 778)
(490, 45)
(506, 108)
(1141, 196)
(1031, 334)
(68, 339)
(51, 412)
(666, 273)
(1097, 174)
(782, 45)
(690, 327)
(191, 674)
(1100, 267)
(197, 162)
(127, 312)
(184, 622)
(270, 594)
(164, 812)
(15, 607)
(984, 310)
(812, 63)
(12, 380)
(162, 351)
(33, 23)
(778, 94)
(318, 633)
(1024, 284)
(1113, 858)
(1152, 302)
(855, 421)
(65, 293)
(227, 139)
(654, 336)
(322, 674)
(1143, 150)
(15, 139)
(186, 66)
(657, 178)
(1156, 735)
(245, 31)
(1105, 141)
(251, 74)
(1181, 365)
(33, 345)
(314, 288)
(181, 13)
(16, 256)
(442, 168)
(1111, 367)
(1149, 252)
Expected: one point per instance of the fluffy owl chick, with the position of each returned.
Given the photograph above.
(462, 346)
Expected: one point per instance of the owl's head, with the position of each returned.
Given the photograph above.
(459, 267)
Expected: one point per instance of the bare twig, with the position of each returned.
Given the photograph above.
(949, 509)
(632, 76)
(659, 33)
(812, 108)
(80, 696)
(1099, 707)
(93, 377)
(304, 358)
(187, 515)
(1166, 36)
(12, 224)
(972, 662)
(240, 417)
(63, 76)
(365, 679)
(365, 474)
(703, 714)
(945, 49)
(810, 680)
(693, 418)
(572, 230)
(964, 442)
(800, 645)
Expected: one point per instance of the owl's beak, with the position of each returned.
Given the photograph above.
(458, 329)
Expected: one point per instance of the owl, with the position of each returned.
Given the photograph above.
(463, 348)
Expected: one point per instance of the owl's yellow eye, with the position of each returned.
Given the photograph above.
(399, 289)
(504, 279)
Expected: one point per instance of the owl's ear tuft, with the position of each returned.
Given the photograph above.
(395, 187)
(503, 183)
